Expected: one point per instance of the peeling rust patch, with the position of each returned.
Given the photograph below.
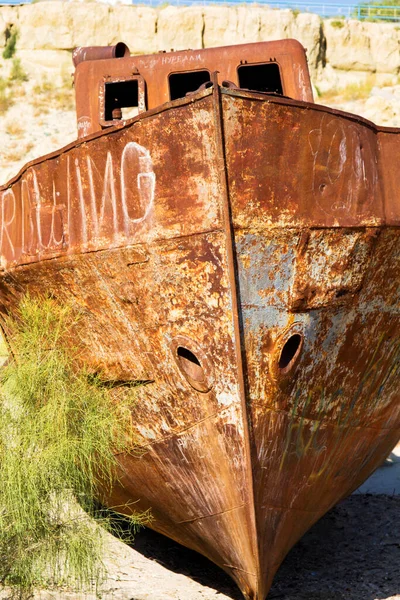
(330, 266)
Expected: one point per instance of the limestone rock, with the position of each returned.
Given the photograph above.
(248, 24)
(220, 26)
(363, 46)
(308, 29)
(347, 47)
(134, 25)
(383, 106)
(44, 25)
(79, 14)
(179, 28)
(51, 63)
(276, 24)
(385, 47)
(8, 16)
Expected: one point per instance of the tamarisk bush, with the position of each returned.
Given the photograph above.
(59, 432)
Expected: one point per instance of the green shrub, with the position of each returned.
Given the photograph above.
(17, 72)
(337, 24)
(59, 432)
(11, 44)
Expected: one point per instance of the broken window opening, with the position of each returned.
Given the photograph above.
(121, 100)
(260, 78)
(182, 83)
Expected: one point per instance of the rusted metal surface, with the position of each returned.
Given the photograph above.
(81, 54)
(156, 70)
(317, 242)
(248, 272)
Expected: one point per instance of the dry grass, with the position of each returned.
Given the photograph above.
(11, 87)
(11, 43)
(18, 73)
(17, 152)
(352, 91)
(13, 128)
(6, 97)
(3, 348)
(47, 95)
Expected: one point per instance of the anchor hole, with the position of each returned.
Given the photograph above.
(290, 352)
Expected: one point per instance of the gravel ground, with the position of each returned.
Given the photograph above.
(353, 553)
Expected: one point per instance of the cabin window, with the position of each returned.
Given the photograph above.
(182, 83)
(260, 78)
(121, 100)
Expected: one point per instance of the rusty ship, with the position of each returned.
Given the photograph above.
(235, 246)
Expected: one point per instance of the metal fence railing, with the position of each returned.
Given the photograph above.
(328, 9)
(324, 9)
(385, 13)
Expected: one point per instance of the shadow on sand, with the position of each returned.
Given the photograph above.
(353, 553)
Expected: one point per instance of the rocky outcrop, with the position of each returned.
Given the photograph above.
(362, 46)
(333, 46)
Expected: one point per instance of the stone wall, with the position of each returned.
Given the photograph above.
(336, 49)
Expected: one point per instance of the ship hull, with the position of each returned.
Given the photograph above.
(247, 274)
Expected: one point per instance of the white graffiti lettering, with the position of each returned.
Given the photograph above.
(87, 201)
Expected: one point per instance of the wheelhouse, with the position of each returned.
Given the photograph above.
(112, 86)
